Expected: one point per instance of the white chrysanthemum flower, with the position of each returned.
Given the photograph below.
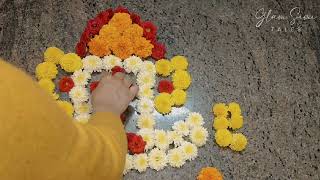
(141, 162)
(181, 127)
(198, 136)
(175, 138)
(194, 119)
(145, 106)
(176, 157)
(157, 159)
(83, 108)
(146, 79)
(132, 64)
(161, 139)
(79, 94)
(129, 164)
(190, 150)
(111, 61)
(92, 64)
(149, 67)
(82, 118)
(146, 121)
(145, 92)
(80, 78)
(148, 136)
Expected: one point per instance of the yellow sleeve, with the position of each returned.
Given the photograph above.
(39, 141)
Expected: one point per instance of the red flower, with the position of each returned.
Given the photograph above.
(149, 30)
(165, 86)
(104, 17)
(86, 35)
(94, 25)
(81, 49)
(110, 12)
(158, 51)
(117, 69)
(66, 84)
(136, 144)
(135, 18)
(94, 85)
(121, 9)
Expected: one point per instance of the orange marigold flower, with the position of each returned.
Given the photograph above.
(109, 32)
(142, 47)
(122, 47)
(99, 46)
(133, 31)
(121, 21)
(209, 173)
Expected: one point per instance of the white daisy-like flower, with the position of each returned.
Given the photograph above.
(181, 127)
(141, 162)
(111, 61)
(82, 118)
(175, 138)
(161, 139)
(198, 136)
(92, 64)
(132, 64)
(145, 92)
(80, 78)
(83, 108)
(149, 67)
(146, 79)
(146, 121)
(194, 120)
(145, 106)
(148, 136)
(79, 94)
(176, 157)
(190, 150)
(157, 159)
(129, 163)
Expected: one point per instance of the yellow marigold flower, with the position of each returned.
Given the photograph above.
(47, 85)
(121, 21)
(179, 97)
(66, 106)
(122, 47)
(239, 142)
(53, 54)
(133, 31)
(163, 103)
(163, 67)
(221, 123)
(220, 109)
(181, 79)
(209, 173)
(109, 32)
(236, 121)
(179, 63)
(99, 46)
(234, 108)
(71, 62)
(142, 47)
(223, 137)
(46, 70)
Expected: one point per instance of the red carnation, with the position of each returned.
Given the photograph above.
(94, 25)
(135, 18)
(136, 144)
(81, 49)
(158, 51)
(86, 35)
(110, 12)
(66, 84)
(94, 85)
(104, 17)
(165, 86)
(149, 30)
(117, 69)
(121, 9)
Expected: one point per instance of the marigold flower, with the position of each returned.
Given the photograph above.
(67, 107)
(179, 97)
(122, 48)
(149, 30)
(99, 46)
(46, 70)
(210, 173)
(133, 31)
(221, 123)
(47, 85)
(239, 142)
(181, 79)
(53, 54)
(142, 47)
(71, 62)
(236, 121)
(121, 21)
(179, 63)
(165, 86)
(234, 108)
(220, 109)
(109, 33)
(158, 51)
(223, 137)
(66, 84)
(163, 67)
(163, 103)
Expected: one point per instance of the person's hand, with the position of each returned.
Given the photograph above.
(113, 94)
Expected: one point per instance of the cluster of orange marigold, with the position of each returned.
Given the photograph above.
(122, 38)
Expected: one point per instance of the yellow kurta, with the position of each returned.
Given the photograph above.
(39, 141)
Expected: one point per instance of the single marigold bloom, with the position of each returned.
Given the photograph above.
(223, 137)
(133, 31)
(99, 47)
(142, 47)
(209, 173)
(109, 33)
(121, 21)
(220, 109)
(122, 48)
(239, 142)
